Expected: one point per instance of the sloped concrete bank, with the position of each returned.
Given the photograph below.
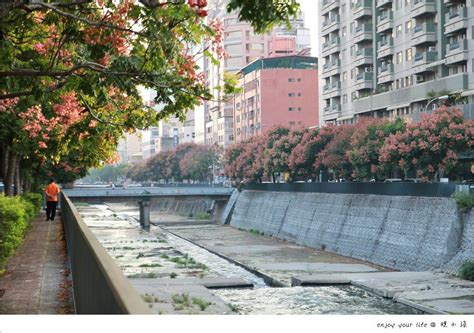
(403, 233)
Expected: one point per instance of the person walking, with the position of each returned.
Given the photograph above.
(51, 190)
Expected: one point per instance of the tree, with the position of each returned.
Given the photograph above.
(70, 72)
(429, 146)
(198, 163)
(369, 136)
(335, 155)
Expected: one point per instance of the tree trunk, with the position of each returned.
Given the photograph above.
(17, 177)
(4, 153)
(10, 174)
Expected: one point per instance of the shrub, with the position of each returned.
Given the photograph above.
(15, 215)
(35, 198)
(467, 270)
(464, 200)
(202, 216)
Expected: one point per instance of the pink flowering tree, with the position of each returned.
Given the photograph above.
(198, 163)
(280, 142)
(369, 136)
(430, 147)
(335, 155)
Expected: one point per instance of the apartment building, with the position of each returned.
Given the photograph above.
(276, 91)
(382, 58)
(243, 46)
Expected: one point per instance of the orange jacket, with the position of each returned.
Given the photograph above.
(51, 191)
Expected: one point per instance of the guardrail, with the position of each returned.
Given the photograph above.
(396, 189)
(98, 283)
(149, 192)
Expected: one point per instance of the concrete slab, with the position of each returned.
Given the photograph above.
(210, 283)
(318, 267)
(181, 299)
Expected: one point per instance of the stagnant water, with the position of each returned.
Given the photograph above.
(266, 300)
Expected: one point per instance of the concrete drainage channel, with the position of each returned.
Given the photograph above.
(177, 275)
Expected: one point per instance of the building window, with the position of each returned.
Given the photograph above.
(344, 99)
(399, 30)
(292, 123)
(299, 80)
(399, 57)
(291, 109)
(353, 50)
(408, 27)
(299, 94)
(409, 54)
(352, 73)
(343, 8)
(344, 76)
(343, 54)
(291, 95)
(291, 79)
(352, 27)
(344, 32)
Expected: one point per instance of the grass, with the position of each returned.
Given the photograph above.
(234, 307)
(202, 216)
(253, 231)
(186, 261)
(147, 298)
(182, 299)
(143, 276)
(467, 270)
(203, 304)
(151, 265)
(173, 275)
(464, 200)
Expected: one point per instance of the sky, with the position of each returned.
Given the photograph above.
(310, 9)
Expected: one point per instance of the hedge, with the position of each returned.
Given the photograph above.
(16, 214)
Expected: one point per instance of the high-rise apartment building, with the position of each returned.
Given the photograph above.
(276, 91)
(382, 58)
(243, 46)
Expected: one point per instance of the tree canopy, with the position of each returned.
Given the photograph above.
(70, 73)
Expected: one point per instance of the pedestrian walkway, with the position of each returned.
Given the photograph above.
(37, 279)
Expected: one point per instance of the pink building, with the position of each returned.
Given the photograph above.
(281, 46)
(276, 91)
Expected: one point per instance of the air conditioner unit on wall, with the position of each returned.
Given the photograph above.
(419, 78)
(368, 69)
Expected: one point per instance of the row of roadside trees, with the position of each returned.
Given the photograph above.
(371, 149)
(189, 161)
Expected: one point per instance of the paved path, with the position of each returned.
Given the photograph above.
(37, 280)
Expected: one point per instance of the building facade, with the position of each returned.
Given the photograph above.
(276, 91)
(386, 58)
(242, 46)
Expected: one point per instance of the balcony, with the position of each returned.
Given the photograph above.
(331, 46)
(329, 5)
(385, 47)
(363, 32)
(423, 7)
(332, 90)
(422, 60)
(362, 9)
(364, 57)
(331, 24)
(385, 21)
(424, 33)
(385, 74)
(331, 68)
(456, 21)
(382, 3)
(457, 52)
(364, 81)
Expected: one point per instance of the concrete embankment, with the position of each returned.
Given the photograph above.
(399, 232)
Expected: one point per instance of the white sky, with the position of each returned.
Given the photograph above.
(311, 14)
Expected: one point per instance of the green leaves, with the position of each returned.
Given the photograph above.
(264, 14)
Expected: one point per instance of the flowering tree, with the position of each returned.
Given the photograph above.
(369, 136)
(429, 146)
(280, 143)
(70, 72)
(335, 155)
(198, 163)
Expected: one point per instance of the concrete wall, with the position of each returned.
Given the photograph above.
(184, 207)
(404, 233)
